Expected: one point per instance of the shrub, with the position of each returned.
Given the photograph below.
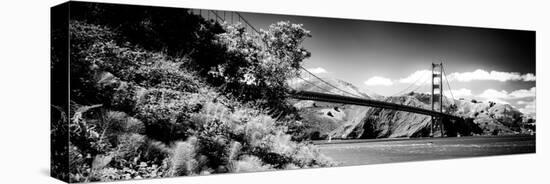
(249, 164)
(171, 30)
(59, 148)
(143, 114)
(166, 113)
(134, 157)
(108, 145)
(259, 70)
(184, 158)
(253, 133)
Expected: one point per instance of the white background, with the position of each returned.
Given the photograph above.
(24, 98)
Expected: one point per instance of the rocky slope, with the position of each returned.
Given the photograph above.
(340, 121)
(323, 118)
(377, 122)
(492, 118)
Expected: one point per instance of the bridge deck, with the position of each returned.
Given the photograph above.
(315, 96)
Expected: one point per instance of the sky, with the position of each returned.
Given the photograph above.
(389, 57)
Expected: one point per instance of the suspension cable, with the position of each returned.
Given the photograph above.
(318, 78)
(309, 82)
(448, 84)
(408, 87)
(421, 84)
(246, 21)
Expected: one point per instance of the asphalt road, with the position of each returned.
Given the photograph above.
(375, 151)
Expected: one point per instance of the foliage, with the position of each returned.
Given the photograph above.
(139, 112)
(166, 113)
(108, 146)
(246, 131)
(183, 160)
(259, 70)
(249, 164)
(173, 31)
(59, 147)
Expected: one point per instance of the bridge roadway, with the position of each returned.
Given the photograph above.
(316, 96)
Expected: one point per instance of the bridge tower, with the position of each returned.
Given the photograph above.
(437, 96)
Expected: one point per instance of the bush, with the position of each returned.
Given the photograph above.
(108, 145)
(249, 164)
(258, 134)
(258, 71)
(138, 113)
(184, 160)
(158, 29)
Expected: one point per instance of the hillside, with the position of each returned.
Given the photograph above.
(147, 102)
(492, 118)
(323, 118)
(378, 123)
(349, 121)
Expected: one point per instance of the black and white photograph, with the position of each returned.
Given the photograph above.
(274, 92)
(142, 92)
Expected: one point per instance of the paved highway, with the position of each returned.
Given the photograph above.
(375, 151)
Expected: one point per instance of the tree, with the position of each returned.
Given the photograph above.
(258, 66)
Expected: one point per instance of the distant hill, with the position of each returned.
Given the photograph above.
(319, 86)
(493, 118)
(340, 121)
(324, 118)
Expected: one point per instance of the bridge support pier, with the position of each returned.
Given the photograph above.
(437, 95)
(432, 133)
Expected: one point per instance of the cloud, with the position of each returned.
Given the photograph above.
(504, 97)
(503, 94)
(529, 77)
(422, 77)
(293, 83)
(317, 70)
(378, 81)
(494, 94)
(419, 77)
(463, 92)
(529, 107)
(480, 74)
(523, 93)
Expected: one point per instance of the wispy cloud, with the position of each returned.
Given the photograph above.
(505, 97)
(458, 93)
(419, 77)
(480, 74)
(317, 70)
(503, 94)
(529, 107)
(520, 97)
(522, 93)
(494, 94)
(378, 81)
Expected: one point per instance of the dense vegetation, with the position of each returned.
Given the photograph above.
(159, 92)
